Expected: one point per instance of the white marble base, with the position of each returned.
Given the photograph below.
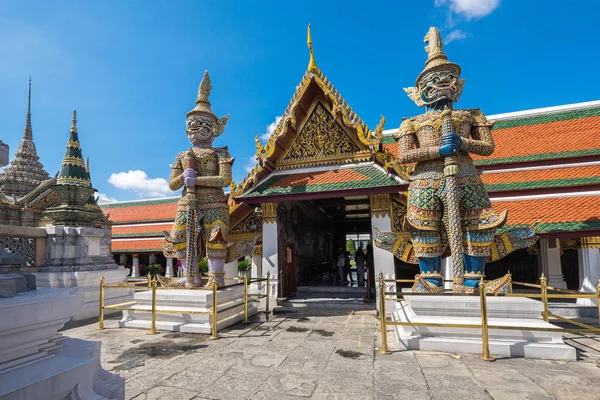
(89, 284)
(36, 362)
(190, 300)
(502, 311)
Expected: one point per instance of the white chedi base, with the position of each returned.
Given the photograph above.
(89, 284)
(502, 311)
(187, 300)
(36, 362)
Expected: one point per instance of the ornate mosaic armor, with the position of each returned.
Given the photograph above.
(213, 166)
(202, 219)
(447, 205)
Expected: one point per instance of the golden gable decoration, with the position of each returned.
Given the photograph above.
(322, 140)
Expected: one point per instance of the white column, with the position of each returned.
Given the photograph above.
(256, 269)
(152, 259)
(231, 270)
(169, 272)
(123, 259)
(383, 260)
(550, 262)
(589, 267)
(269, 260)
(135, 269)
(447, 272)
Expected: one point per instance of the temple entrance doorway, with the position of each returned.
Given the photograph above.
(313, 233)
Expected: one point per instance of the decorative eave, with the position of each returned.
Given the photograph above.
(313, 84)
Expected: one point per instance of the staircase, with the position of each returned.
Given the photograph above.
(341, 298)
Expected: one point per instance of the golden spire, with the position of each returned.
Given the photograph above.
(74, 122)
(312, 65)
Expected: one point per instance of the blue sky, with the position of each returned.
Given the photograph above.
(132, 69)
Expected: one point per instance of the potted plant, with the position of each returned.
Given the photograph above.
(244, 268)
(154, 269)
(203, 267)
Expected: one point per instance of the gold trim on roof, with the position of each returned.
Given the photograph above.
(340, 110)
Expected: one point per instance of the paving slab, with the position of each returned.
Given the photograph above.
(326, 355)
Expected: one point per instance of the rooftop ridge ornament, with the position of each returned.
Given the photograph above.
(312, 65)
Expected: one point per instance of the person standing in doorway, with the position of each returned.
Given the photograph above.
(360, 266)
(347, 270)
(370, 268)
(341, 262)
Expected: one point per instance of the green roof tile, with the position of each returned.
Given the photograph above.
(538, 157)
(543, 184)
(376, 177)
(543, 119)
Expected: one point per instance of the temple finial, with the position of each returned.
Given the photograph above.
(74, 123)
(28, 132)
(312, 65)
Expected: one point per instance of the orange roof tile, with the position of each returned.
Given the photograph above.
(131, 230)
(571, 135)
(144, 211)
(322, 177)
(567, 213)
(136, 245)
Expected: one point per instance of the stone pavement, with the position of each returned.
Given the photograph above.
(325, 354)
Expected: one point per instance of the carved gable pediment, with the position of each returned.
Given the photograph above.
(322, 140)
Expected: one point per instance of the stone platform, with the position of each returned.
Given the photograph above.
(502, 311)
(88, 281)
(187, 300)
(36, 362)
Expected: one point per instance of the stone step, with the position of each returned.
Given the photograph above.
(332, 289)
(572, 310)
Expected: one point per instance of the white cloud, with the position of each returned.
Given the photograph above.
(270, 128)
(250, 164)
(470, 8)
(104, 199)
(456, 34)
(139, 182)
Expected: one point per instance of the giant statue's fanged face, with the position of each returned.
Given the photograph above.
(440, 85)
(200, 130)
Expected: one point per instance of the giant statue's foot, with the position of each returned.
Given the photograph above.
(428, 283)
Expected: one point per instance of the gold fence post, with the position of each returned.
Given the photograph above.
(149, 279)
(485, 353)
(153, 317)
(544, 285)
(598, 297)
(268, 291)
(214, 310)
(245, 299)
(101, 314)
(383, 317)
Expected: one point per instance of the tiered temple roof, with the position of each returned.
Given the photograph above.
(562, 193)
(73, 170)
(546, 167)
(25, 171)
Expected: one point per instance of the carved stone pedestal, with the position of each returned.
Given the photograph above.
(79, 257)
(36, 362)
(508, 311)
(187, 300)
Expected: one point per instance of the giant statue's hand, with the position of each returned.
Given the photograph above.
(189, 177)
(450, 145)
